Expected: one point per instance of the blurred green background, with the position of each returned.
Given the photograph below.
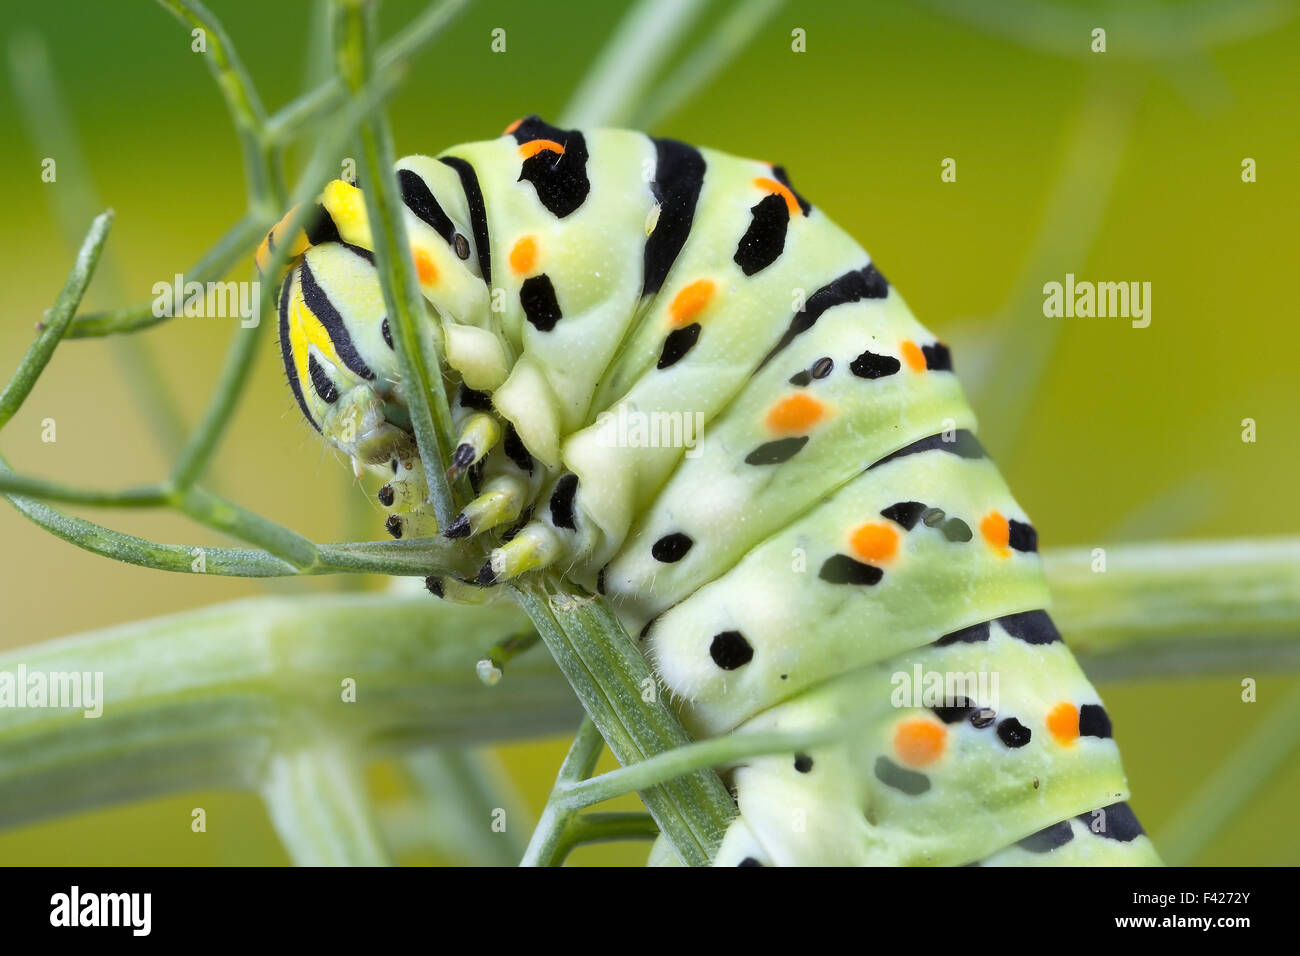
(1117, 166)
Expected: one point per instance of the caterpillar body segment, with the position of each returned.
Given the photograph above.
(678, 383)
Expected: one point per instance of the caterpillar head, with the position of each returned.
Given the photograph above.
(338, 354)
(335, 338)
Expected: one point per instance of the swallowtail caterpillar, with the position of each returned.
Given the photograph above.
(836, 530)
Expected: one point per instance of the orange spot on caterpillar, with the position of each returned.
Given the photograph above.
(1063, 722)
(512, 127)
(795, 414)
(535, 146)
(997, 532)
(874, 542)
(780, 189)
(913, 356)
(690, 302)
(424, 266)
(919, 742)
(524, 256)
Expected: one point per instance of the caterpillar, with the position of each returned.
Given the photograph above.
(828, 543)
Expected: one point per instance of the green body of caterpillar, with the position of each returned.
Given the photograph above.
(689, 390)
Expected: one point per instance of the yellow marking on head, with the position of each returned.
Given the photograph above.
(346, 205)
(512, 127)
(306, 330)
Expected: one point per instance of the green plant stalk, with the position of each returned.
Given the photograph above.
(1166, 608)
(1099, 133)
(617, 689)
(317, 801)
(210, 687)
(211, 699)
(420, 360)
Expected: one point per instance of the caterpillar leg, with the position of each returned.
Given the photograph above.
(480, 433)
(535, 547)
(501, 502)
(412, 524)
(458, 592)
(407, 490)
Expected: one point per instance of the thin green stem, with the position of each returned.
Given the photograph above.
(202, 444)
(235, 245)
(644, 39)
(418, 355)
(619, 692)
(237, 521)
(141, 496)
(392, 60)
(76, 201)
(693, 757)
(723, 44)
(415, 557)
(546, 848)
(38, 355)
(265, 186)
